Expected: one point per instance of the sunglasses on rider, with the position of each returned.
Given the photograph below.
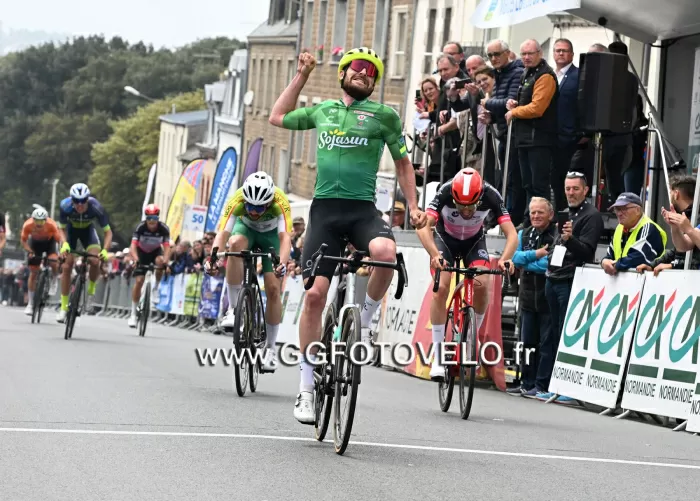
(463, 207)
(80, 202)
(151, 218)
(255, 209)
(360, 64)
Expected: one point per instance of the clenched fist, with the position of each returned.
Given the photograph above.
(307, 63)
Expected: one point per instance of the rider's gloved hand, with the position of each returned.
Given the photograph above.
(211, 269)
(281, 270)
(65, 248)
(103, 254)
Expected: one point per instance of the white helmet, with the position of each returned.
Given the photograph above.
(79, 191)
(258, 189)
(40, 214)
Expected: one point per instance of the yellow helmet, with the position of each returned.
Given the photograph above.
(362, 53)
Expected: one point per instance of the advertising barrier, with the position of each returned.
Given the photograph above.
(292, 302)
(595, 341)
(663, 366)
(694, 418)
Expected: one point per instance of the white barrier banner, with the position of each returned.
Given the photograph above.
(663, 364)
(694, 418)
(177, 302)
(292, 301)
(193, 222)
(399, 317)
(596, 337)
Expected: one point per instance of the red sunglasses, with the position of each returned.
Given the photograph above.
(360, 64)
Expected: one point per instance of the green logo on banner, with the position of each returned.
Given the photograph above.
(589, 312)
(676, 355)
(660, 320)
(624, 318)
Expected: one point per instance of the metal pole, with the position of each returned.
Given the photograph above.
(507, 163)
(442, 160)
(427, 166)
(393, 202)
(53, 198)
(598, 162)
(647, 171)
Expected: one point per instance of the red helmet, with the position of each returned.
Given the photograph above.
(152, 210)
(467, 187)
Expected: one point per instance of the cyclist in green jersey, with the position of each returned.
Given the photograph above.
(352, 133)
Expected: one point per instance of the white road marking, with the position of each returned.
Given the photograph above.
(367, 444)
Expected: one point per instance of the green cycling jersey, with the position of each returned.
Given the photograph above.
(351, 141)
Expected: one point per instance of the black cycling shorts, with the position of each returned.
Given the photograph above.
(38, 248)
(146, 258)
(331, 222)
(472, 251)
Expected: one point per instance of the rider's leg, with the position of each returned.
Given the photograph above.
(136, 293)
(481, 296)
(93, 270)
(65, 281)
(160, 263)
(380, 249)
(234, 269)
(33, 273)
(273, 309)
(438, 312)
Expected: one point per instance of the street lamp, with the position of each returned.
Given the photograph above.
(132, 91)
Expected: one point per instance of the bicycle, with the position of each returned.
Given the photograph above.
(342, 327)
(143, 310)
(460, 327)
(78, 288)
(41, 294)
(249, 333)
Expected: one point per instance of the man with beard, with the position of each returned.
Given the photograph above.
(352, 132)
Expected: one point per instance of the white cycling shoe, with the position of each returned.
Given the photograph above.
(437, 371)
(61, 316)
(304, 407)
(133, 321)
(229, 319)
(28, 310)
(270, 360)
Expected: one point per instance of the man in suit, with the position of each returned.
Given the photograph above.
(569, 136)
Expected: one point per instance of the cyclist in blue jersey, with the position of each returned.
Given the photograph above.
(76, 217)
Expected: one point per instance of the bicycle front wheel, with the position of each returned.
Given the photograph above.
(38, 298)
(323, 387)
(242, 332)
(257, 344)
(452, 328)
(468, 362)
(347, 381)
(145, 310)
(73, 305)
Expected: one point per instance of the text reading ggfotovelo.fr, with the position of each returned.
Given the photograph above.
(397, 354)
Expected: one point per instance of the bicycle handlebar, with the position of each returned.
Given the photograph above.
(245, 254)
(355, 262)
(471, 273)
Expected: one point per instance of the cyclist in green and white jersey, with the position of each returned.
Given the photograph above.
(352, 133)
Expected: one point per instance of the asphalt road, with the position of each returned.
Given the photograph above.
(111, 416)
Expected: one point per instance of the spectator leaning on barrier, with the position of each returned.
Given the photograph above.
(298, 229)
(182, 261)
(568, 117)
(536, 325)
(508, 75)
(684, 236)
(637, 239)
(575, 246)
(536, 126)
(456, 50)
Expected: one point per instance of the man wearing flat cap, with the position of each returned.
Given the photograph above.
(637, 239)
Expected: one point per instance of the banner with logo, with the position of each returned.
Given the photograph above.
(252, 161)
(663, 366)
(177, 297)
(184, 195)
(193, 289)
(694, 129)
(502, 13)
(166, 292)
(193, 222)
(694, 418)
(223, 181)
(292, 302)
(598, 330)
(212, 288)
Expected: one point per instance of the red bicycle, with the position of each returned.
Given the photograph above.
(460, 327)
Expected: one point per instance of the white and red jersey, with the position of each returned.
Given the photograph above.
(451, 222)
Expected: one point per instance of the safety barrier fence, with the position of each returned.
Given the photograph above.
(630, 342)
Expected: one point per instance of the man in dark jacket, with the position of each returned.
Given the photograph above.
(536, 326)
(536, 127)
(577, 241)
(508, 76)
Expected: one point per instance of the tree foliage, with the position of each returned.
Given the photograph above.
(58, 100)
(123, 161)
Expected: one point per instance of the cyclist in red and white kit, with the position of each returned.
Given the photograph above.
(457, 214)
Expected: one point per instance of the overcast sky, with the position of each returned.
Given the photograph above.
(160, 22)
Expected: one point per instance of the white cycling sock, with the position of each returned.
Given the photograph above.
(368, 310)
(307, 374)
(31, 297)
(479, 321)
(134, 306)
(271, 334)
(438, 337)
(233, 291)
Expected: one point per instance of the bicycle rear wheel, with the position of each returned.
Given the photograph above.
(44, 294)
(468, 362)
(453, 326)
(323, 387)
(145, 310)
(73, 304)
(241, 339)
(38, 297)
(347, 381)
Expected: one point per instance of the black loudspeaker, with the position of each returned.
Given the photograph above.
(607, 93)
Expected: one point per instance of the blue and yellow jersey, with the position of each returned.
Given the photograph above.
(69, 217)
